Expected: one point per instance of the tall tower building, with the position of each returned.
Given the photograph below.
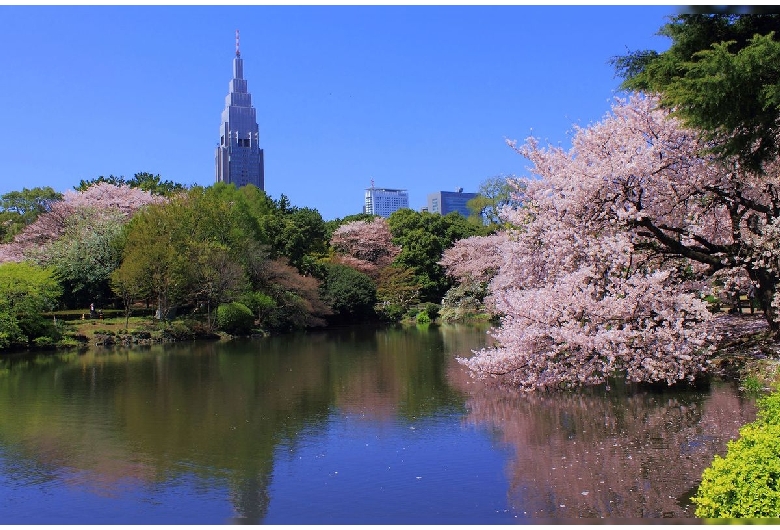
(239, 159)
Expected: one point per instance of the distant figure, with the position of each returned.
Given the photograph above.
(91, 310)
(752, 297)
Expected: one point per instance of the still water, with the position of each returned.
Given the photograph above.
(375, 426)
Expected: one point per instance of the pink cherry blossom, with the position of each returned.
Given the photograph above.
(603, 271)
(98, 200)
(365, 245)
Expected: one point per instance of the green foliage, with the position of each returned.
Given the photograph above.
(493, 194)
(752, 385)
(423, 237)
(390, 312)
(423, 317)
(720, 75)
(351, 294)
(145, 181)
(397, 291)
(26, 291)
(235, 318)
(21, 208)
(746, 482)
(463, 301)
(85, 255)
(263, 306)
(433, 310)
(294, 233)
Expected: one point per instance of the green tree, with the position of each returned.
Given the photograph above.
(493, 194)
(397, 291)
(351, 294)
(235, 318)
(126, 283)
(145, 181)
(423, 237)
(85, 255)
(154, 184)
(155, 257)
(294, 233)
(21, 208)
(217, 277)
(26, 291)
(210, 246)
(721, 75)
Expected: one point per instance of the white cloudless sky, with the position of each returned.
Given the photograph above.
(413, 97)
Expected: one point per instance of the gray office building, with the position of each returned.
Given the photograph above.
(239, 159)
(444, 202)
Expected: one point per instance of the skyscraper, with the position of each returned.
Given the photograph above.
(239, 159)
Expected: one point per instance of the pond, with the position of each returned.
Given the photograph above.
(347, 426)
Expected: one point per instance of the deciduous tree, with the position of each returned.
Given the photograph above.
(603, 274)
(493, 195)
(26, 291)
(365, 245)
(423, 237)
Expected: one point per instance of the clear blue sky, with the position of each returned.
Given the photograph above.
(414, 97)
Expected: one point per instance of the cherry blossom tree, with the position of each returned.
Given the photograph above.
(101, 200)
(365, 245)
(602, 274)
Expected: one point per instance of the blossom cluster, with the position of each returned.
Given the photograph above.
(602, 271)
(100, 202)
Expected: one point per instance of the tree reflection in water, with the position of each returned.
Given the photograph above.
(624, 453)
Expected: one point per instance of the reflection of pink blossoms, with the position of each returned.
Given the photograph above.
(97, 201)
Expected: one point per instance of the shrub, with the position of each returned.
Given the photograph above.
(433, 310)
(389, 312)
(43, 342)
(235, 318)
(423, 317)
(746, 482)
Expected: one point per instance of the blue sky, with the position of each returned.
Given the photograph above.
(414, 97)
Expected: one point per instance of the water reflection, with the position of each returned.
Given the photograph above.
(627, 453)
(213, 410)
(224, 424)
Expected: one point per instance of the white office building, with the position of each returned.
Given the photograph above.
(383, 201)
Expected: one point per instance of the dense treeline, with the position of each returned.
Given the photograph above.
(221, 257)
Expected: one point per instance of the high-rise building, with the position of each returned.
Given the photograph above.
(239, 159)
(384, 201)
(444, 202)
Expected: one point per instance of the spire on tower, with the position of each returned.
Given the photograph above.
(238, 52)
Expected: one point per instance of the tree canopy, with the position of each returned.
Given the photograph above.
(144, 181)
(721, 75)
(26, 291)
(19, 209)
(604, 267)
(423, 237)
(494, 193)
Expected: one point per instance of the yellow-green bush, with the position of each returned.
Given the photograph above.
(746, 482)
